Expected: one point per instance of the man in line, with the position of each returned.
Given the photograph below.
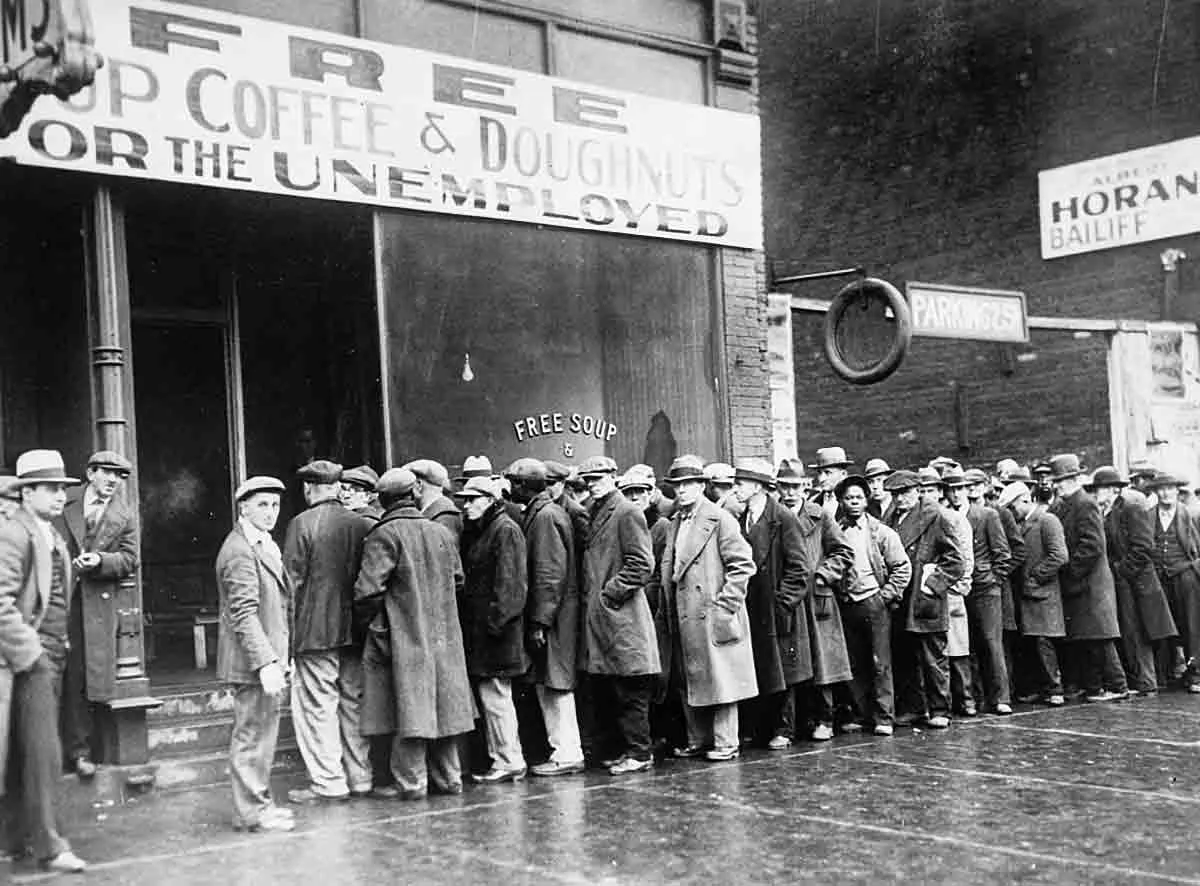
(876, 472)
(102, 539)
(832, 468)
(358, 491)
(792, 483)
(1176, 553)
(35, 592)
(321, 554)
(430, 492)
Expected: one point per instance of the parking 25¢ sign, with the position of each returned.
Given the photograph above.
(967, 312)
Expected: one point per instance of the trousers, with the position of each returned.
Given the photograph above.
(320, 708)
(252, 751)
(715, 726)
(868, 627)
(986, 620)
(500, 722)
(562, 725)
(415, 762)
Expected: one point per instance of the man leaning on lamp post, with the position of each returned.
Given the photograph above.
(252, 650)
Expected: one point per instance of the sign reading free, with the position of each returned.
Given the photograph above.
(196, 96)
(966, 312)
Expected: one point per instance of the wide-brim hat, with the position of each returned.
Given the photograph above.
(1165, 478)
(43, 466)
(685, 468)
(1021, 475)
(259, 484)
(927, 476)
(953, 478)
(974, 476)
(853, 480)
(1065, 466)
(475, 466)
(719, 472)
(831, 457)
(1142, 468)
(790, 472)
(876, 467)
(757, 469)
(1107, 475)
(10, 488)
(112, 461)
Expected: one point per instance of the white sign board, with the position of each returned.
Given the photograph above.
(1121, 199)
(201, 97)
(967, 312)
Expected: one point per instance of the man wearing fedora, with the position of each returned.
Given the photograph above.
(1088, 592)
(358, 491)
(102, 538)
(832, 468)
(1177, 560)
(253, 650)
(792, 483)
(35, 600)
(875, 472)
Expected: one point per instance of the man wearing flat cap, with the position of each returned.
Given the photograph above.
(321, 555)
(430, 492)
(358, 491)
(556, 487)
(253, 650)
(1176, 557)
(101, 535)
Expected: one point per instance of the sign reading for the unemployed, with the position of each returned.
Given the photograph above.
(967, 312)
(195, 96)
(1121, 199)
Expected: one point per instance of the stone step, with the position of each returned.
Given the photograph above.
(201, 700)
(192, 735)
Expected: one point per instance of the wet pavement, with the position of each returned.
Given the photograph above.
(1082, 794)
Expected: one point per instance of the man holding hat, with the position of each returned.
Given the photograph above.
(102, 538)
(358, 491)
(876, 471)
(35, 599)
(321, 555)
(832, 468)
(253, 649)
(430, 492)
(1177, 560)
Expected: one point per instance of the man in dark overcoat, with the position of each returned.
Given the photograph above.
(1177, 561)
(779, 637)
(415, 670)
(1142, 609)
(919, 630)
(1088, 592)
(321, 553)
(358, 491)
(432, 482)
(102, 538)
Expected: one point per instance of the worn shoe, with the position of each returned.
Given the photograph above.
(303, 796)
(1194, 688)
(684, 753)
(851, 728)
(450, 789)
(269, 822)
(1105, 695)
(1031, 698)
(720, 755)
(555, 767)
(779, 743)
(1003, 709)
(84, 767)
(630, 765)
(1056, 701)
(883, 729)
(385, 792)
(968, 709)
(823, 732)
(938, 722)
(65, 863)
(496, 775)
(909, 719)
(1147, 693)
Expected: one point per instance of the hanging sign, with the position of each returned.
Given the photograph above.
(546, 424)
(967, 312)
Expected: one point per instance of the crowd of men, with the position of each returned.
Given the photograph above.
(592, 617)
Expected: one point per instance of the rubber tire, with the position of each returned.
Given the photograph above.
(890, 361)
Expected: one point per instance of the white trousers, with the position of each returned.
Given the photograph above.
(500, 722)
(326, 699)
(562, 726)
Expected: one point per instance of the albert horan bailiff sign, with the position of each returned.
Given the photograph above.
(1121, 199)
(201, 97)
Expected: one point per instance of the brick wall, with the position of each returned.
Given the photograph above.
(907, 137)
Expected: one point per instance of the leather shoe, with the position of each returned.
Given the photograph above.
(555, 767)
(883, 729)
(496, 775)
(629, 765)
(720, 755)
(270, 821)
(65, 863)
(779, 743)
(308, 795)
(84, 767)
(450, 789)
(687, 751)
(385, 792)
(1003, 709)
(850, 727)
(938, 722)
(823, 732)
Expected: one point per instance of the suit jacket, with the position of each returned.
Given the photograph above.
(256, 611)
(115, 539)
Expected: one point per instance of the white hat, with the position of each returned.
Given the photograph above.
(477, 486)
(1011, 493)
(259, 484)
(42, 466)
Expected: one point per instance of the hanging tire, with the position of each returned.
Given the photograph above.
(851, 295)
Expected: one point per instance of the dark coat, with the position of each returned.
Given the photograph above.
(553, 602)
(1040, 604)
(442, 510)
(1010, 592)
(704, 577)
(414, 669)
(115, 539)
(782, 651)
(256, 611)
(618, 629)
(1141, 602)
(492, 608)
(992, 556)
(937, 563)
(321, 554)
(1089, 594)
(660, 528)
(825, 556)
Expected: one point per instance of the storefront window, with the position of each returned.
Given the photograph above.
(630, 67)
(336, 16)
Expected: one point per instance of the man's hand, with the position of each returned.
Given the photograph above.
(538, 637)
(273, 678)
(87, 561)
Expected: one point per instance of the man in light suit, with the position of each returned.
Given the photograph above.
(35, 597)
(252, 650)
(102, 539)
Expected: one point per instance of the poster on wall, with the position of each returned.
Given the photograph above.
(196, 96)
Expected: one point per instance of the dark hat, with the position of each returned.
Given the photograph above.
(975, 476)
(854, 480)
(43, 466)
(954, 477)
(10, 488)
(113, 461)
(476, 466)
(757, 469)
(320, 471)
(597, 464)
(876, 467)
(363, 476)
(556, 471)
(1065, 466)
(901, 480)
(259, 484)
(941, 462)
(396, 482)
(928, 476)
(686, 467)
(831, 457)
(432, 472)
(526, 469)
(1107, 475)
(1165, 478)
(790, 472)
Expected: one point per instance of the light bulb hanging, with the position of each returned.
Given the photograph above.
(467, 374)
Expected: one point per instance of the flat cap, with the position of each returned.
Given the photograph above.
(556, 471)
(635, 479)
(432, 472)
(259, 484)
(320, 471)
(1011, 493)
(597, 464)
(114, 461)
(10, 487)
(479, 486)
(526, 469)
(854, 480)
(396, 482)
(901, 480)
(363, 475)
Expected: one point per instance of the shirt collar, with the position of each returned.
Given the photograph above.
(253, 533)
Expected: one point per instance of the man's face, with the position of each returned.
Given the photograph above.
(957, 495)
(104, 481)
(1022, 506)
(975, 491)
(1106, 495)
(717, 491)
(931, 493)
(600, 485)
(828, 478)
(854, 502)
(1167, 495)
(261, 510)
(689, 492)
(745, 490)
(639, 495)
(790, 494)
(354, 496)
(1062, 487)
(8, 507)
(876, 483)
(44, 500)
(906, 499)
(555, 488)
(476, 506)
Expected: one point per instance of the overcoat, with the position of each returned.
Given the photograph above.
(443, 510)
(1041, 604)
(492, 608)
(256, 611)
(414, 666)
(704, 576)
(1008, 588)
(321, 554)
(25, 576)
(826, 556)
(618, 628)
(553, 602)
(1141, 602)
(937, 559)
(660, 527)
(782, 651)
(1089, 595)
(115, 539)
(958, 630)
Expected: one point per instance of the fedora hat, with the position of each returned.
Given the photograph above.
(42, 466)
(790, 472)
(719, 472)
(954, 477)
(831, 457)
(1065, 466)
(974, 476)
(686, 467)
(475, 466)
(926, 476)
(1165, 478)
(1006, 467)
(756, 469)
(1107, 475)
(876, 467)
(1142, 468)
(10, 488)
